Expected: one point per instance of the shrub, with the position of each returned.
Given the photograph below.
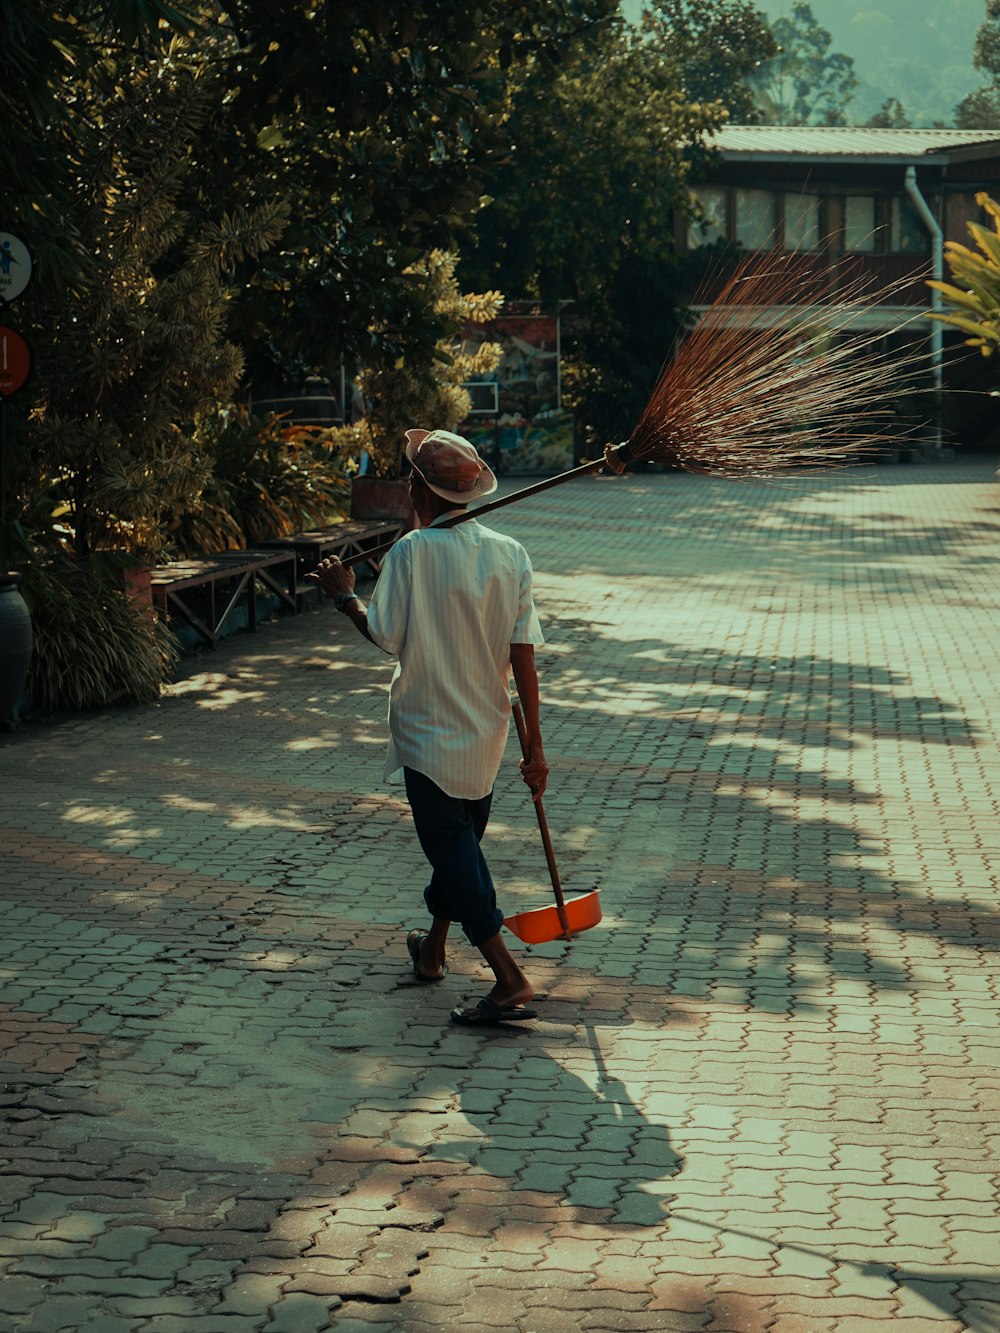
(263, 479)
(93, 645)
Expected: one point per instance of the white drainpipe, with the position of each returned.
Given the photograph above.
(937, 272)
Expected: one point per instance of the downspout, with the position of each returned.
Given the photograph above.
(937, 301)
(559, 306)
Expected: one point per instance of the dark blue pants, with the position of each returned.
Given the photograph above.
(449, 829)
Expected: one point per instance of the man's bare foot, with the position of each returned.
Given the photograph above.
(511, 987)
(428, 961)
(507, 997)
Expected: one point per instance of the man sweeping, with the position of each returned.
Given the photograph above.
(454, 605)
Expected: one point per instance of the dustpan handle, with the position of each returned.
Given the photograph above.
(543, 827)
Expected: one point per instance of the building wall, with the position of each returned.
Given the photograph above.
(893, 252)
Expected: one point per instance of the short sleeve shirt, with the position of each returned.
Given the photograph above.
(449, 602)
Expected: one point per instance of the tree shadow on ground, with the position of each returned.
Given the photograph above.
(734, 803)
(782, 528)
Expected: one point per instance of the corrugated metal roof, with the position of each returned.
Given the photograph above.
(848, 141)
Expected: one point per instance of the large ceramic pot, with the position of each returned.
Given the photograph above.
(138, 583)
(15, 644)
(382, 497)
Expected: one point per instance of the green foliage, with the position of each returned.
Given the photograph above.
(40, 52)
(135, 352)
(370, 126)
(609, 184)
(374, 122)
(981, 109)
(145, 21)
(599, 233)
(409, 391)
(986, 52)
(712, 47)
(974, 296)
(92, 645)
(915, 51)
(805, 83)
(263, 479)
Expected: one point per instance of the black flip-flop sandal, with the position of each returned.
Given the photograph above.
(488, 1014)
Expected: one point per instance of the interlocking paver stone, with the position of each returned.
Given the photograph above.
(761, 1097)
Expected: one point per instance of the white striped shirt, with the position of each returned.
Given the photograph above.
(449, 603)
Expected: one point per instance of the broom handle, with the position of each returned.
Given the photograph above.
(543, 826)
(593, 466)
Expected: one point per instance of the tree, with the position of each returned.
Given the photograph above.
(44, 50)
(805, 83)
(568, 205)
(981, 109)
(40, 49)
(587, 215)
(354, 132)
(713, 47)
(127, 321)
(370, 122)
(890, 116)
(375, 123)
(132, 354)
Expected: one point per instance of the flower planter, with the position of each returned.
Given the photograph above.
(382, 497)
(137, 580)
(16, 643)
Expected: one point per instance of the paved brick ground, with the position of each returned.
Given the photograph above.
(762, 1096)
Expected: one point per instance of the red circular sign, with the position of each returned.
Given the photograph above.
(15, 361)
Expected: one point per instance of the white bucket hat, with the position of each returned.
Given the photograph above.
(449, 465)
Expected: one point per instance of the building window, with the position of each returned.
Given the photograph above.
(907, 233)
(860, 229)
(756, 218)
(714, 224)
(802, 213)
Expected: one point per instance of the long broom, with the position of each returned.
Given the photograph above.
(781, 372)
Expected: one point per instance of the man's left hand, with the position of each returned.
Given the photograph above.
(535, 772)
(333, 576)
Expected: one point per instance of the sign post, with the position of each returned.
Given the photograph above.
(15, 366)
(15, 266)
(15, 361)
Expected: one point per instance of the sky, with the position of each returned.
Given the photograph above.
(919, 51)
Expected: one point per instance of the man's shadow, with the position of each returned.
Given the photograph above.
(576, 1135)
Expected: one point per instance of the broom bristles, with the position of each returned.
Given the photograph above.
(777, 374)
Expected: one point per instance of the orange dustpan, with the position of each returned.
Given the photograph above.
(566, 918)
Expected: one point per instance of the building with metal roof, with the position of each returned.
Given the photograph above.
(832, 144)
(879, 203)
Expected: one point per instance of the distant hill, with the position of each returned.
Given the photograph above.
(919, 51)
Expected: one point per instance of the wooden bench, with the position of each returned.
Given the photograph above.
(351, 538)
(206, 591)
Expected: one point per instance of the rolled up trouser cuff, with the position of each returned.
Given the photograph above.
(449, 828)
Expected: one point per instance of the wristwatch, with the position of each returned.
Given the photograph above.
(343, 599)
